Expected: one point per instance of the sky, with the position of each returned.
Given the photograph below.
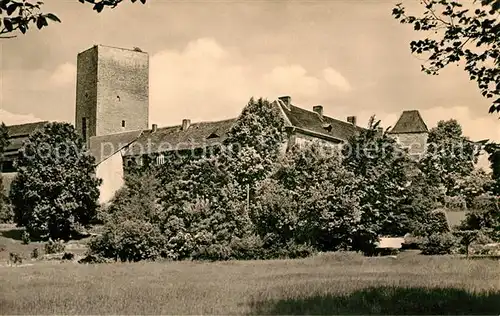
(208, 57)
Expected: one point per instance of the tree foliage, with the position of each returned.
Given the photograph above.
(20, 15)
(199, 205)
(311, 199)
(493, 151)
(439, 244)
(4, 138)
(391, 181)
(462, 33)
(450, 157)
(55, 189)
(254, 142)
(485, 216)
(477, 183)
(5, 209)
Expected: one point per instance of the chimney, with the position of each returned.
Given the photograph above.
(318, 109)
(287, 100)
(380, 131)
(351, 119)
(185, 124)
(154, 128)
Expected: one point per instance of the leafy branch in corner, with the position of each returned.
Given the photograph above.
(19, 15)
(457, 34)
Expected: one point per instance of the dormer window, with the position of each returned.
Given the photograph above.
(160, 159)
(328, 127)
(213, 135)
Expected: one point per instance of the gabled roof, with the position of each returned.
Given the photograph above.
(173, 138)
(410, 122)
(323, 125)
(103, 147)
(24, 129)
(18, 134)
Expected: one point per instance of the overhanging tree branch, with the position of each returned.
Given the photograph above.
(471, 36)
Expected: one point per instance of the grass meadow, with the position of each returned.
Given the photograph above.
(331, 283)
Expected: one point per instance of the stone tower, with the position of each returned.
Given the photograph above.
(411, 132)
(112, 91)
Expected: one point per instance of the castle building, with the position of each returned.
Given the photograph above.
(112, 110)
(411, 132)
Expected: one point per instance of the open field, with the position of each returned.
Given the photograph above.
(341, 283)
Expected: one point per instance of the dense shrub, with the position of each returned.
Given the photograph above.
(394, 193)
(205, 229)
(55, 188)
(439, 244)
(137, 200)
(6, 213)
(312, 199)
(129, 241)
(434, 222)
(90, 259)
(468, 238)
(68, 256)
(56, 246)
(247, 248)
(484, 216)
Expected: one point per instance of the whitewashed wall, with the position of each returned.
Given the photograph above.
(112, 175)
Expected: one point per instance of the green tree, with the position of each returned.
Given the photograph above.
(199, 203)
(450, 156)
(311, 199)
(477, 183)
(254, 143)
(4, 138)
(484, 216)
(493, 151)
(55, 189)
(5, 213)
(462, 33)
(388, 178)
(19, 15)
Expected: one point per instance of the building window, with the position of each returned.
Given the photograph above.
(129, 162)
(139, 161)
(84, 128)
(123, 123)
(7, 166)
(160, 160)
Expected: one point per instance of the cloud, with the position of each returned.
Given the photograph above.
(477, 128)
(207, 81)
(47, 93)
(335, 78)
(293, 79)
(13, 119)
(63, 75)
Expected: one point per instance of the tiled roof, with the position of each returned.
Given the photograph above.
(102, 147)
(324, 125)
(24, 129)
(18, 134)
(173, 138)
(409, 122)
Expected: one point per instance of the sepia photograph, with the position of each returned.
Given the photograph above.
(250, 157)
